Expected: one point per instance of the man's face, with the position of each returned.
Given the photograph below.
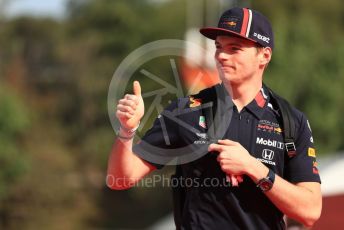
(237, 59)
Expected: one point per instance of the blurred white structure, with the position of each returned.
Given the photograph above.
(331, 170)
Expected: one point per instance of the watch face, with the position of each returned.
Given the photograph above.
(265, 185)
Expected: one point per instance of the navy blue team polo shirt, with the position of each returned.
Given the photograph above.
(259, 130)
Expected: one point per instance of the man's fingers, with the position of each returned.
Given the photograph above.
(240, 178)
(137, 88)
(131, 97)
(130, 103)
(227, 142)
(124, 108)
(215, 148)
(234, 181)
(122, 115)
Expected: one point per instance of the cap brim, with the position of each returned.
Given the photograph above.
(213, 32)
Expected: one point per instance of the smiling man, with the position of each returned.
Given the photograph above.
(269, 177)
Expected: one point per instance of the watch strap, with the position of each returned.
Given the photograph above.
(271, 176)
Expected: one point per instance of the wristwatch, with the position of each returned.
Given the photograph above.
(267, 182)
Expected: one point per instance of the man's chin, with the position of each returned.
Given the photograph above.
(230, 79)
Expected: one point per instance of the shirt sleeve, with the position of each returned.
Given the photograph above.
(160, 142)
(303, 166)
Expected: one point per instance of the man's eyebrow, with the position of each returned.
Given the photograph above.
(229, 44)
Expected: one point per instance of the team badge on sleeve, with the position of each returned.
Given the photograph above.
(315, 167)
(195, 102)
(202, 122)
(311, 152)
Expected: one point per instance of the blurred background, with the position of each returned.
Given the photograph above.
(57, 59)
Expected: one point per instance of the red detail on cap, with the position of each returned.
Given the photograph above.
(244, 22)
(260, 99)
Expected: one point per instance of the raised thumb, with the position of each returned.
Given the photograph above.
(137, 88)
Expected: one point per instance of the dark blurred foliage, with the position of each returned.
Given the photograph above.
(55, 134)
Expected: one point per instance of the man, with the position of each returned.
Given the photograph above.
(266, 182)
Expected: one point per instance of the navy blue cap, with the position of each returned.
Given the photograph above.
(245, 23)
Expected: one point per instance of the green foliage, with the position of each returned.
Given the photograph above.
(307, 64)
(14, 122)
(13, 117)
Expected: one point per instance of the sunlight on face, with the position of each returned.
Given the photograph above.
(237, 59)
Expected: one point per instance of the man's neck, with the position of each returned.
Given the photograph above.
(243, 94)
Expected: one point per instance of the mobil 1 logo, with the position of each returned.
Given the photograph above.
(270, 143)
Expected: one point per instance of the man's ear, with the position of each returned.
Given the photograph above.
(266, 54)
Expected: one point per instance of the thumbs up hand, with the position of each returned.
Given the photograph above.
(130, 109)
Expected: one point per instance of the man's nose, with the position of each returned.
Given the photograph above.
(221, 56)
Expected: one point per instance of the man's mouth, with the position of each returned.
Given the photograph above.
(226, 67)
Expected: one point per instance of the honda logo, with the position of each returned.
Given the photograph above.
(268, 154)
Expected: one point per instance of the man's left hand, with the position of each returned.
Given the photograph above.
(234, 159)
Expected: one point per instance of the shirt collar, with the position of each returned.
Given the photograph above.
(258, 104)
